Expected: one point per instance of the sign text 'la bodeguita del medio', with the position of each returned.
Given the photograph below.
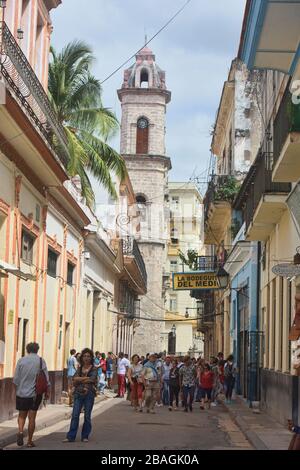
(193, 281)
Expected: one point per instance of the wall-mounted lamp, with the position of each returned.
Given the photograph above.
(3, 3)
(20, 33)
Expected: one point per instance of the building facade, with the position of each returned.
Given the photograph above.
(144, 98)
(186, 234)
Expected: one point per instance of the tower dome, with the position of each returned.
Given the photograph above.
(145, 73)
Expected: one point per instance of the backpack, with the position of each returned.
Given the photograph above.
(41, 383)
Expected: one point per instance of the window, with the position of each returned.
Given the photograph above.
(173, 304)
(71, 268)
(142, 207)
(144, 79)
(142, 136)
(174, 236)
(27, 247)
(175, 202)
(173, 266)
(52, 263)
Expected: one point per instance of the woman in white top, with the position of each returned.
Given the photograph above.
(136, 384)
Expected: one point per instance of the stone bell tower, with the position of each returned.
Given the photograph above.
(144, 100)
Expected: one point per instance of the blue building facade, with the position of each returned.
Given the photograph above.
(243, 267)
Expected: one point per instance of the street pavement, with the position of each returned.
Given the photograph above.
(116, 426)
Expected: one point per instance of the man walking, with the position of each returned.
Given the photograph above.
(122, 367)
(188, 376)
(71, 371)
(150, 379)
(166, 367)
(27, 401)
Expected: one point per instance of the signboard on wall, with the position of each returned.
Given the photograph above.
(195, 281)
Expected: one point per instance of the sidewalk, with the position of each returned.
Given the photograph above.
(46, 417)
(262, 431)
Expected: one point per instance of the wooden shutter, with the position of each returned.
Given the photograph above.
(142, 141)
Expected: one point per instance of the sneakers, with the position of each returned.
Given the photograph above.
(170, 408)
(214, 404)
(84, 440)
(152, 412)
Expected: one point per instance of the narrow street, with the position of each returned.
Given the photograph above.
(117, 427)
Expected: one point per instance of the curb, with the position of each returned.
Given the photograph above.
(46, 423)
(251, 436)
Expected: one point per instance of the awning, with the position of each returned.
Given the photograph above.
(271, 36)
(11, 269)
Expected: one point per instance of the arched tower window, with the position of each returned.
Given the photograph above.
(142, 206)
(144, 79)
(142, 136)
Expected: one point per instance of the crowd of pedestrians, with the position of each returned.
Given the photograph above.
(154, 380)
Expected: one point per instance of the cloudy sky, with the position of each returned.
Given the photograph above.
(195, 51)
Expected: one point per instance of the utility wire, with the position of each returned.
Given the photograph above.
(148, 42)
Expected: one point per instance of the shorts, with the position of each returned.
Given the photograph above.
(28, 404)
(206, 392)
(109, 374)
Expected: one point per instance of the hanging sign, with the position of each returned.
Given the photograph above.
(286, 270)
(195, 281)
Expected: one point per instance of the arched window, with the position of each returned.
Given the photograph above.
(142, 136)
(142, 207)
(144, 79)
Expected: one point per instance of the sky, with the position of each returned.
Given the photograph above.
(195, 50)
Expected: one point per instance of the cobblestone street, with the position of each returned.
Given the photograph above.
(117, 427)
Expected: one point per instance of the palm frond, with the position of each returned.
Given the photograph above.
(112, 159)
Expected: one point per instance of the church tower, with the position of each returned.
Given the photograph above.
(144, 100)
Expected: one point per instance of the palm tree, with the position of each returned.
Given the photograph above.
(76, 97)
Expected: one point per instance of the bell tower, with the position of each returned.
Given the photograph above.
(144, 98)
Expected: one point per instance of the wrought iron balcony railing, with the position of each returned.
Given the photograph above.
(26, 88)
(287, 120)
(257, 183)
(131, 248)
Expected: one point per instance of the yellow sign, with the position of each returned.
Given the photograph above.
(195, 281)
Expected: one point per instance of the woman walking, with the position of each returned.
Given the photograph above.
(207, 384)
(136, 384)
(85, 389)
(229, 378)
(174, 385)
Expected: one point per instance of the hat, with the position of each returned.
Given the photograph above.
(152, 354)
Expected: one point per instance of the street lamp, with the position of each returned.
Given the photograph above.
(173, 331)
(223, 277)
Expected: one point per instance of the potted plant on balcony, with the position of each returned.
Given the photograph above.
(228, 190)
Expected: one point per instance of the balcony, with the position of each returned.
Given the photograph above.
(217, 207)
(287, 141)
(134, 263)
(24, 86)
(262, 201)
(205, 311)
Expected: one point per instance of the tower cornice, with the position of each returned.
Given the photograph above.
(166, 161)
(144, 91)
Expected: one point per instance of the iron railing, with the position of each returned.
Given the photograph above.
(131, 248)
(257, 183)
(26, 88)
(287, 120)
